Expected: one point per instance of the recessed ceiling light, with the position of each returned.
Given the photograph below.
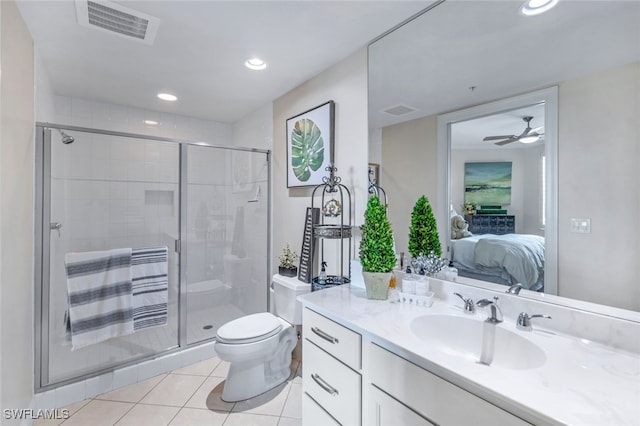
(535, 7)
(255, 64)
(167, 97)
(151, 122)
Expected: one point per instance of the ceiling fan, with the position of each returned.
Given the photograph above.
(529, 135)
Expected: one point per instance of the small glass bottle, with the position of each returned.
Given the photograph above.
(409, 282)
(453, 272)
(322, 278)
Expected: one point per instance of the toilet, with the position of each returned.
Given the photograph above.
(258, 346)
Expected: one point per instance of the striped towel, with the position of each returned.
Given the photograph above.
(99, 295)
(150, 287)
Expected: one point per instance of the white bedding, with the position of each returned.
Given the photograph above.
(520, 256)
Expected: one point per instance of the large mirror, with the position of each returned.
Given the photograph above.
(448, 85)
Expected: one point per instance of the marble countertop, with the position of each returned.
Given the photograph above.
(580, 383)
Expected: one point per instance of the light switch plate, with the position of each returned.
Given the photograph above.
(581, 225)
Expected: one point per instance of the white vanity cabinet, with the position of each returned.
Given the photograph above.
(385, 410)
(331, 380)
(423, 397)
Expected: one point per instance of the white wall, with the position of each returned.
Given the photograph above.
(255, 130)
(409, 170)
(101, 115)
(346, 84)
(45, 96)
(599, 148)
(375, 145)
(525, 182)
(16, 209)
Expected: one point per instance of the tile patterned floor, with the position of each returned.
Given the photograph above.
(189, 396)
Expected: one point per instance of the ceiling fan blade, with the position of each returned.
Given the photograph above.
(538, 130)
(495, 138)
(506, 141)
(526, 132)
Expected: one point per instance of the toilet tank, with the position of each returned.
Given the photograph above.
(285, 292)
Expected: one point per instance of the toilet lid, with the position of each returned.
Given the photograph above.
(250, 328)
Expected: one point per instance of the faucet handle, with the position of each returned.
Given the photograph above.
(486, 302)
(469, 306)
(514, 289)
(524, 320)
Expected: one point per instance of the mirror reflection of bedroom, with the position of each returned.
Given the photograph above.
(497, 197)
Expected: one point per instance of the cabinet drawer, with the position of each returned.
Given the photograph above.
(431, 396)
(339, 341)
(333, 385)
(314, 415)
(386, 411)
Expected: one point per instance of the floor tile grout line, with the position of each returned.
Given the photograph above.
(175, 415)
(194, 392)
(122, 387)
(88, 400)
(127, 412)
(250, 414)
(285, 400)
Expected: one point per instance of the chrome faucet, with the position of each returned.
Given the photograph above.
(496, 313)
(524, 320)
(514, 289)
(469, 307)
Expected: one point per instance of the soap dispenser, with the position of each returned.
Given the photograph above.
(322, 278)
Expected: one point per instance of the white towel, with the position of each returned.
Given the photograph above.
(149, 268)
(99, 292)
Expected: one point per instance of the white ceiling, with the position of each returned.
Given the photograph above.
(432, 63)
(200, 49)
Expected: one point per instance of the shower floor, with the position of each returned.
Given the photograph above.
(203, 324)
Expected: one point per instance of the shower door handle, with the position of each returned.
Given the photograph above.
(55, 226)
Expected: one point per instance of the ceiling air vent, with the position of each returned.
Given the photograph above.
(399, 110)
(117, 19)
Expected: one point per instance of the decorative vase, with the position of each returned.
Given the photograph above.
(288, 272)
(377, 284)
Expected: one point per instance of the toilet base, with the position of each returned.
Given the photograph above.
(249, 378)
(241, 384)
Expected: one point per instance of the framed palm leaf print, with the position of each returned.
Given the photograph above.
(310, 145)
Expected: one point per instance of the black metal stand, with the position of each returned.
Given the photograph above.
(334, 223)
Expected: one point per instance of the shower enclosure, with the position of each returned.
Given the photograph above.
(100, 190)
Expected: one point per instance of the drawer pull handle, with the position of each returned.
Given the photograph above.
(324, 385)
(324, 335)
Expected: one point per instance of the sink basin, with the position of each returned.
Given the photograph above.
(464, 338)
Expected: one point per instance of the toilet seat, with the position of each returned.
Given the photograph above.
(249, 329)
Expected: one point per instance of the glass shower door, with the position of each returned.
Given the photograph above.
(106, 192)
(226, 238)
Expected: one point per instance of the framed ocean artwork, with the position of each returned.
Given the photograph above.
(487, 183)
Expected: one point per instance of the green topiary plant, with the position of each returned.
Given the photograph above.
(376, 246)
(423, 232)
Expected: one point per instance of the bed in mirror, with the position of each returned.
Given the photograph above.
(455, 86)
